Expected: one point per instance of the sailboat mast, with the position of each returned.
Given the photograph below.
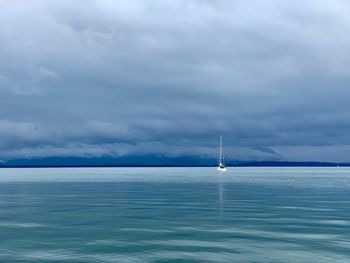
(220, 150)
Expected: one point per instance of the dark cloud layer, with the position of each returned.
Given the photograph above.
(168, 77)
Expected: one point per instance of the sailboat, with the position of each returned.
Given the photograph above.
(221, 167)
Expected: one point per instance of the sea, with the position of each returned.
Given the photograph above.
(175, 215)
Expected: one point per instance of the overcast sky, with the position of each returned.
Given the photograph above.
(92, 78)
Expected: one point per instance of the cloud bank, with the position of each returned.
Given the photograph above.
(92, 78)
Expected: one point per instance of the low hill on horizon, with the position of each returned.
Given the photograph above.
(152, 161)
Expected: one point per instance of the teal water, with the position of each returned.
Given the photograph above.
(175, 215)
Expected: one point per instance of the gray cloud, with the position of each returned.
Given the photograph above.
(120, 77)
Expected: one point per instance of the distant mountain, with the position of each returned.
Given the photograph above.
(134, 160)
(290, 164)
(150, 160)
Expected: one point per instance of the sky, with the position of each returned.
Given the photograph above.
(168, 77)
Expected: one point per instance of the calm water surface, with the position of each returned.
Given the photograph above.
(175, 215)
